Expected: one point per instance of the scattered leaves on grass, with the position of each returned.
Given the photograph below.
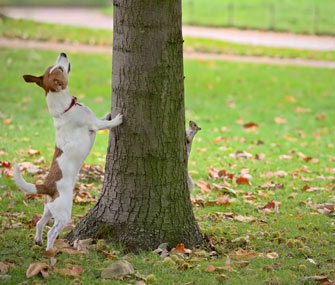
(205, 187)
(325, 208)
(38, 268)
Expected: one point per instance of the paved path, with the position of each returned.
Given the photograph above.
(74, 48)
(94, 19)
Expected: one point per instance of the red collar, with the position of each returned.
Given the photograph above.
(73, 102)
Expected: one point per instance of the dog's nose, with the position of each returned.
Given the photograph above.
(63, 54)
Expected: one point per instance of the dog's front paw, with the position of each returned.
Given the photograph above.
(118, 120)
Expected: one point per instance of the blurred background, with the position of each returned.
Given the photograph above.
(296, 16)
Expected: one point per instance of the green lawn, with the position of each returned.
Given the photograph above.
(302, 16)
(31, 30)
(294, 110)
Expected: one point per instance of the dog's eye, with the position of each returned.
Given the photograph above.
(61, 68)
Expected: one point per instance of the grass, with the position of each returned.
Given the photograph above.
(31, 30)
(304, 16)
(86, 3)
(219, 95)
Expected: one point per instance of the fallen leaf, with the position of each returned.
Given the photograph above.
(3, 267)
(205, 187)
(223, 200)
(74, 272)
(241, 154)
(51, 252)
(272, 255)
(36, 268)
(243, 263)
(242, 180)
(53, 261)
(223, 276)
(210, 268)
(260, 156)
(250, 125)
(8, 121)
(320, 117)
(240, 254)
(179, 248)
(33, 152)
(5, 164)
(279, 120)
(247, 219)
(320, 279)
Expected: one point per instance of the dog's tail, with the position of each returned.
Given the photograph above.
(21, 183)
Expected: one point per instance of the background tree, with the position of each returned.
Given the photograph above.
(145, 200)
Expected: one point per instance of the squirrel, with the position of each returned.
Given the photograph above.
(190, 133)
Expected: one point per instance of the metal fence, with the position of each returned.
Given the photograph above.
(277, 16)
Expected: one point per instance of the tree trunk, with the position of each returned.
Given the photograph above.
(145, 200)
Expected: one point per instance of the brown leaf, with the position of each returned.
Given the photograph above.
(223, 276)
(279, 120)
(247, 219)
(3, 267)
(205, 187)
(179, 248)
(320, 279)
(53, 261)
(260, 156)
(51, 252)
(241, 154)
(223, 200)
(240, 254)
(272, 255)
(242, 180)
(40, 160)
(243, 263)
(250, 125)
(8, 121)
(270, 205)
(36, 268)
(74, 272)
(5, 164)
(33, 152)
(320, 117)
(210, 268)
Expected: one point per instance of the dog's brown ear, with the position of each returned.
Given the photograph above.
(36, 79)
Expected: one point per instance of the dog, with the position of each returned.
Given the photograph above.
(76, 127)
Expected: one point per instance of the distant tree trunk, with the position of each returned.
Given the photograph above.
(145, 200)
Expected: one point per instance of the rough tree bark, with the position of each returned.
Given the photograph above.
(145, 200)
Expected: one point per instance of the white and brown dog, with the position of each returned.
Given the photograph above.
(76, 126)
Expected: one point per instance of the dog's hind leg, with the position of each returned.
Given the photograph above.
(53, 233)
(40, 225)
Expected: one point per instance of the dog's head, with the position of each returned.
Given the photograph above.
(55, 78)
